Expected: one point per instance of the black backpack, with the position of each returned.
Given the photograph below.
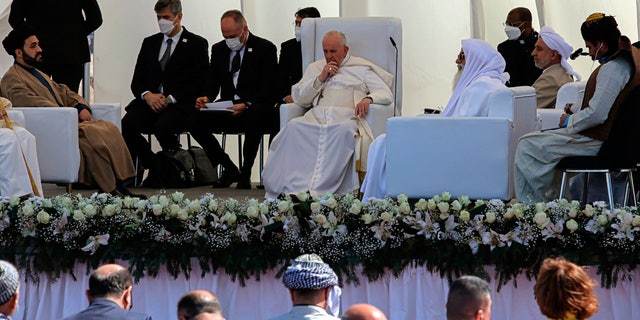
(172, 169)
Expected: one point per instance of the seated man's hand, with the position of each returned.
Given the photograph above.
(288, 99)
(84, 115)
(562, 120)
(362, 108)
(201, 102)
(567, 108)
(238, 108)
(155, 101)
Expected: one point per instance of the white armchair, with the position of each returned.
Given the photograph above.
(56, 132)
(470, 156)
(368, 38)
(571, 92)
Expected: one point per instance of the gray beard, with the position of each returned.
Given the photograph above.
(456, 78)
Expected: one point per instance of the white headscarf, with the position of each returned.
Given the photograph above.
(555, 42)
(481, 59)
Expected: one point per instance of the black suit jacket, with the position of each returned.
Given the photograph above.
(522, 71)
(257, 80)
(60, 25)
(184, 75)
(104, 309)
(289, 66)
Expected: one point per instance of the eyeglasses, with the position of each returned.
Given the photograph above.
(461, 55)
(516, 24)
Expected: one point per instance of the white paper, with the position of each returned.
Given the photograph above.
(218, 106)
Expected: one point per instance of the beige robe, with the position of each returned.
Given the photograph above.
(105, 158)
(548, 84)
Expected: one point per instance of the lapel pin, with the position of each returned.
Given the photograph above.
(250, 49)
(184, 40)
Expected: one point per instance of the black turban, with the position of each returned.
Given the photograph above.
(15, 39)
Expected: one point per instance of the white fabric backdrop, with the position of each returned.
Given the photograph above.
(415, 294)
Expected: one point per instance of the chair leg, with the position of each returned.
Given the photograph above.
(261, 185)
(562, 185)
(240, 151)
(585, 188)
(633, 189)
(609, 189)
(224, 144)
(69, 187)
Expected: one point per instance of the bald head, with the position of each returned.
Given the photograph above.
(199, 304)
(109, 280)
(363, 311)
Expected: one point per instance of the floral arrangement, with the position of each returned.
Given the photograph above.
(247, 238)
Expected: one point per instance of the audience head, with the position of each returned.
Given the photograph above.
(564, 288)
(234, 29)
(334, 46)
(308, 12)
(518, 24)
(601, 35)
(113, 282)
(9, 288)
(169, 14)
(23, 45)
(469, 298)
(363, 311)
(310, 281)
(199, 304)
(551, 49)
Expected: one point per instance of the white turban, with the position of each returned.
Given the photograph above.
(555, 42)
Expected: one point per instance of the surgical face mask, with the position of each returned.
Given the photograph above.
(298, 32)
(166, 26)
(234, 43)
(513, 33)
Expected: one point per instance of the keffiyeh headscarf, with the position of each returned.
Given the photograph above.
(555, 42)
(308, 271)
(481, 59)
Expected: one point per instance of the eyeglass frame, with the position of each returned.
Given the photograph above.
(461, 56)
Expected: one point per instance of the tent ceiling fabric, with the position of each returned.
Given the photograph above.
(432, 33)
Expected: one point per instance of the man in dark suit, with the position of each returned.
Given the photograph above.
(516, 50)
(243, 70)
(62, 28)
(168, 77)
(290, 62)
(109, 296)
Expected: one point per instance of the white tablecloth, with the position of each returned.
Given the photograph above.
(416, 294)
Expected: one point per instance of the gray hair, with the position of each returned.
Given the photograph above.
(175, 5)
(343, 38)
(237, 16)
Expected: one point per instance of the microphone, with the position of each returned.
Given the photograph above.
(577, 53)
(395, 80)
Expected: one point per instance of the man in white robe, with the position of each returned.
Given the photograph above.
(318, 152)
(482, 74)
(14, 180)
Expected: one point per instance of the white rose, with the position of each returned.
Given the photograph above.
(403, 198)
(66, 201)
(109, 210)
(540, 218)
(356, 208)
(603, 220)
(437, 198)
(446, 196)
(27, 209)
(386, 216)
(509, 214)
(213, 205)
(173, 210)
(43, 217)
(572, 212)
(90, 210)
(194, 206)
(490, 217)
(479, 203)
(163, 201)
(635, 221)
(444, 216)
(572, 225)
(157, 209)
(367, 218)
(575, 204)
(541, 207)
(283, 206)
(443, 207)
(253, 211)
(332, 202)
(141, 205)
(14, 201)
(456, 205)
(264, 208)
(421, 204)
(47, 203)
(177, 197)
(183, 214)
(78, 215)
(589, 210)
(315, 207)
(127, 202)
(404, 208)
(229, 217)
(464, 200)
(465, 215)
(303, 196)
(519, 213)
(431, 204)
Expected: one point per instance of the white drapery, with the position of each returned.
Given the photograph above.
(415, 294)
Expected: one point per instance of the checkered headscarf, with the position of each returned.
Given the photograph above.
(308, 271)
(9, 281)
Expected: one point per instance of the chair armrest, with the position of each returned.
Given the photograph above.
(111, 112)
(461, 155)
(16, 116)
(377, 117)
(288, 111)
(56, 132)
(550, 118)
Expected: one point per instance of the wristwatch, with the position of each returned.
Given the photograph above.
(168, 100)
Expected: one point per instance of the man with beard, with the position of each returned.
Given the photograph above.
(105, 159)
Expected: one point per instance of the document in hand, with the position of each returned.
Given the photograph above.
(219, 106)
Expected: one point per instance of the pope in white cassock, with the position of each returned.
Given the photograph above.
(482, 74)
(14, 179)
(318, 152)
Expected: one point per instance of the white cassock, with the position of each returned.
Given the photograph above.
(318, 152)
(14, 180)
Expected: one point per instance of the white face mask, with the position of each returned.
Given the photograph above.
(234, 43)
(298, 33)
(513, 33)
(166, 26)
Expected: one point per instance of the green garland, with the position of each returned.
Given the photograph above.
(248, 238)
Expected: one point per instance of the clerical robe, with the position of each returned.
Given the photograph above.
(318, 152)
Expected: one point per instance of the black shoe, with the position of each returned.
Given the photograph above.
(124, 192)
(228, 177)
(243, 183)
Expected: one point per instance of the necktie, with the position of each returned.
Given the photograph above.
(235, 63)
(166, 55)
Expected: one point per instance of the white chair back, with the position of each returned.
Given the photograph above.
(368, 37)
(571, 92)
